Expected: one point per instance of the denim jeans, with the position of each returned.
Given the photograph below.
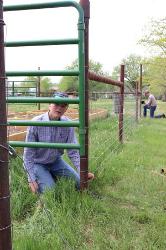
(151, 108)
(46, 174)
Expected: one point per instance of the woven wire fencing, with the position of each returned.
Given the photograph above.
(104, 130)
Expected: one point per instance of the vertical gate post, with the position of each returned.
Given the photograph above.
(84, 159)
(121, 105)
(5, 221)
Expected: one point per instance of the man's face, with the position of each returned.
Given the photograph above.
(57, 110)
(147, 94)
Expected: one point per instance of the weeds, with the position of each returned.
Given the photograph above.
(124, 207)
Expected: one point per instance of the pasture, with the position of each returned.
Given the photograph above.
(125, 205)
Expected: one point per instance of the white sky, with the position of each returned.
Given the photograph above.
(115, 28)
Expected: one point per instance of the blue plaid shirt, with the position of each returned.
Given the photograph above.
(48, 155)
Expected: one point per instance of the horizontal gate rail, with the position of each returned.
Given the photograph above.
(42, 100)
(45, 6)
(43, 123)
(41, 42)
(44, 145)
(43, 73)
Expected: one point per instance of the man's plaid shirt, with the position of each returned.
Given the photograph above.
(47, 155)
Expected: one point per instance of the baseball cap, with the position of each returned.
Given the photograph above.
(60, 95)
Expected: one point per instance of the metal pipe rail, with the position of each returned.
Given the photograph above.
(45, 123)
(45, 6)
(94, 77)
(42, 42)
(44, 145)
(44, 73)
(42, 100)
(120, 84)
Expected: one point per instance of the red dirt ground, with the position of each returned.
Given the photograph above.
(71, 113)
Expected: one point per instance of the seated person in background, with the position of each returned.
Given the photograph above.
(151, 104)
(43, 165)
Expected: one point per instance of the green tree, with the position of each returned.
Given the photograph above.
(32, 81)
(155, 36)
(132, 71)
(70, 83)
(156, 75)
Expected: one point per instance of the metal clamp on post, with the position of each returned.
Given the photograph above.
(5, 228)
(4, 161)
(11, 151)
(5, 197)
(84, 171)
(2, 22)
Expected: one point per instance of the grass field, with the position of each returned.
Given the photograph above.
(124, 207)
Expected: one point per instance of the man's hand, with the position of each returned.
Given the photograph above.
(91, 176)
(33, 186)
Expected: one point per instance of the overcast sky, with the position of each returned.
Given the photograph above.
(115, 28)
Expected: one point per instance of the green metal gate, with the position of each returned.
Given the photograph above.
(80, 73)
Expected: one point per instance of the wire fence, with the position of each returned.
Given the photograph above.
(102, 145)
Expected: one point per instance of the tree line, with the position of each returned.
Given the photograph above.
(154, 67)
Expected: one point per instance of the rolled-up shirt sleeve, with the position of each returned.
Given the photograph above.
(29, 154)
(73, 154)
(149, 102)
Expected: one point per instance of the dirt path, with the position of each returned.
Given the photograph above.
(71, 113)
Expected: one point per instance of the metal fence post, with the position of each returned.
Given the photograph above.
(84, 159)
(140, 89)
(5, 221)
(121, 104)
(38, 88)
(136, 101)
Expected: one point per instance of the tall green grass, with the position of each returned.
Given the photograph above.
(124, 207)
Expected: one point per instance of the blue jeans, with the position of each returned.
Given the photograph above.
(151, 108)
(46, 174)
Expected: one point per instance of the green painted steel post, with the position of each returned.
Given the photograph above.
(84, 159)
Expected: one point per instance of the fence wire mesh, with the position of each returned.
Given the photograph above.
(104, 131)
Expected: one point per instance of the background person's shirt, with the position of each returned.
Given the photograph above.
(151, 101)
(50, 135)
